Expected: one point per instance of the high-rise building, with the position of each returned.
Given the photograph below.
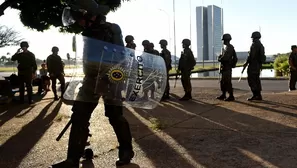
(209, 22)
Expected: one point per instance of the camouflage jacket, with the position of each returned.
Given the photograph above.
(187, 60)
(166, 55)
(255, 55)
(228, 58)
(26, 62)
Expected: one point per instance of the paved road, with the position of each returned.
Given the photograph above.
(267, 85)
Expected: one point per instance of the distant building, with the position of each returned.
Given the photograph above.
(209, 24)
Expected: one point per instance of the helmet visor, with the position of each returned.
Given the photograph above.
(67, 18)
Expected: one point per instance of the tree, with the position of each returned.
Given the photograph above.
(9, 37)
(41, 14)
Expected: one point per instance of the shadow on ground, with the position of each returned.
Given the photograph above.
(15, 149)
(197, 133)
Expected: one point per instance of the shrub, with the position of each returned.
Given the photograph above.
(281, 64)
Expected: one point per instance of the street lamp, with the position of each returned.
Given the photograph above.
(174, 34)
(169, 34)
(191, 22)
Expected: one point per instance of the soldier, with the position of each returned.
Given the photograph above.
(185, 66)
(56, 71)
(96, 27)
(293, 68)
(166, 55)
(254, 62)
(130, 42)
(145, 44)
(228, 61)
(156, 52)
(26, 70)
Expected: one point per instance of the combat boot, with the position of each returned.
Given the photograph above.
(125, 157)
(230, 98)
(65, 164)
(222, 97)
(186, 97)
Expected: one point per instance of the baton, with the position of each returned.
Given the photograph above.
(64, 130)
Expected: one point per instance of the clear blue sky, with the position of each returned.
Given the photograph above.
(144, 20)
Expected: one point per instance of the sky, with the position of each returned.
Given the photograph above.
(153, 20)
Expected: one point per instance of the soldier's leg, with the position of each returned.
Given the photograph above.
(62, 82)
(54, 89)
(222, 86)
(79, 132)
(166, 92)
(292, 81)
(114, 112)
(21, 87)
(28, 82)
(255, 85)
(186, 80)
(229, 88)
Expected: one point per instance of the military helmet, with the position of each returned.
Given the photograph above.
(186, 42)
(226, 37)
(152, 45)
(145, 42)
(256, 35)
(129, 38)
(163, 42)
(55, 49)
(24, 44)
(293, 47)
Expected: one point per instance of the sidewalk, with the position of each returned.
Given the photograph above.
(203, 132)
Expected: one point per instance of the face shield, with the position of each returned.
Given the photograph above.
(67, 18)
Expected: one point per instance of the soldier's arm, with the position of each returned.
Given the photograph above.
(227, 55)
(262, 53)
(291, 61)
(15, 57)
(48, 65)
(117, 35)
(34, 64)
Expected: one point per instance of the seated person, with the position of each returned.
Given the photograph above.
(44, 78)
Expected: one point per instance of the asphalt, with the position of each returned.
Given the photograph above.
(204, 132)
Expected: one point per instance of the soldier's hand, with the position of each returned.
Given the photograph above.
(19, 50)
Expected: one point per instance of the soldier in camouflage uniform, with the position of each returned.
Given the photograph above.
(56, 71)
(293, 68)
(166, 55)
(185, 66)
(156, 52)
(145, 44)
(130, 42)
(228, 60)
(26, 70)
(254, 63)
(96, 27)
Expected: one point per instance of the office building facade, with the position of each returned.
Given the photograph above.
(209, 25)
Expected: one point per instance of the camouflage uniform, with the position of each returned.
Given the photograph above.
(82, 111)
(185, 66)
(56, 71)
(293, 68)
(228, 61)
(254, 62)
(26, 68)
(129, 42)
(166, 55)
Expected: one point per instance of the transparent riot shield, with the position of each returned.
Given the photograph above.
(119, 75)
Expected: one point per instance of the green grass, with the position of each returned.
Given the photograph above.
(11, 69)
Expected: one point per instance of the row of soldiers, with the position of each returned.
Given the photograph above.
(228, 60)
(185, 66)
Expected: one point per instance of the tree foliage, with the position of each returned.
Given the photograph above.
(281, 64)
(40, 15)
(9, 37)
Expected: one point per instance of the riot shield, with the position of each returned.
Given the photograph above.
(119, 75)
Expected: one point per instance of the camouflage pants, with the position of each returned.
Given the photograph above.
(61, 79)
(254, 82)
(27, 80)
(226, 81)
(293, 80)
(167, 89)
(186, 81)
(83, 108)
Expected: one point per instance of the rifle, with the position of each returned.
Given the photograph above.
(220, 64)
